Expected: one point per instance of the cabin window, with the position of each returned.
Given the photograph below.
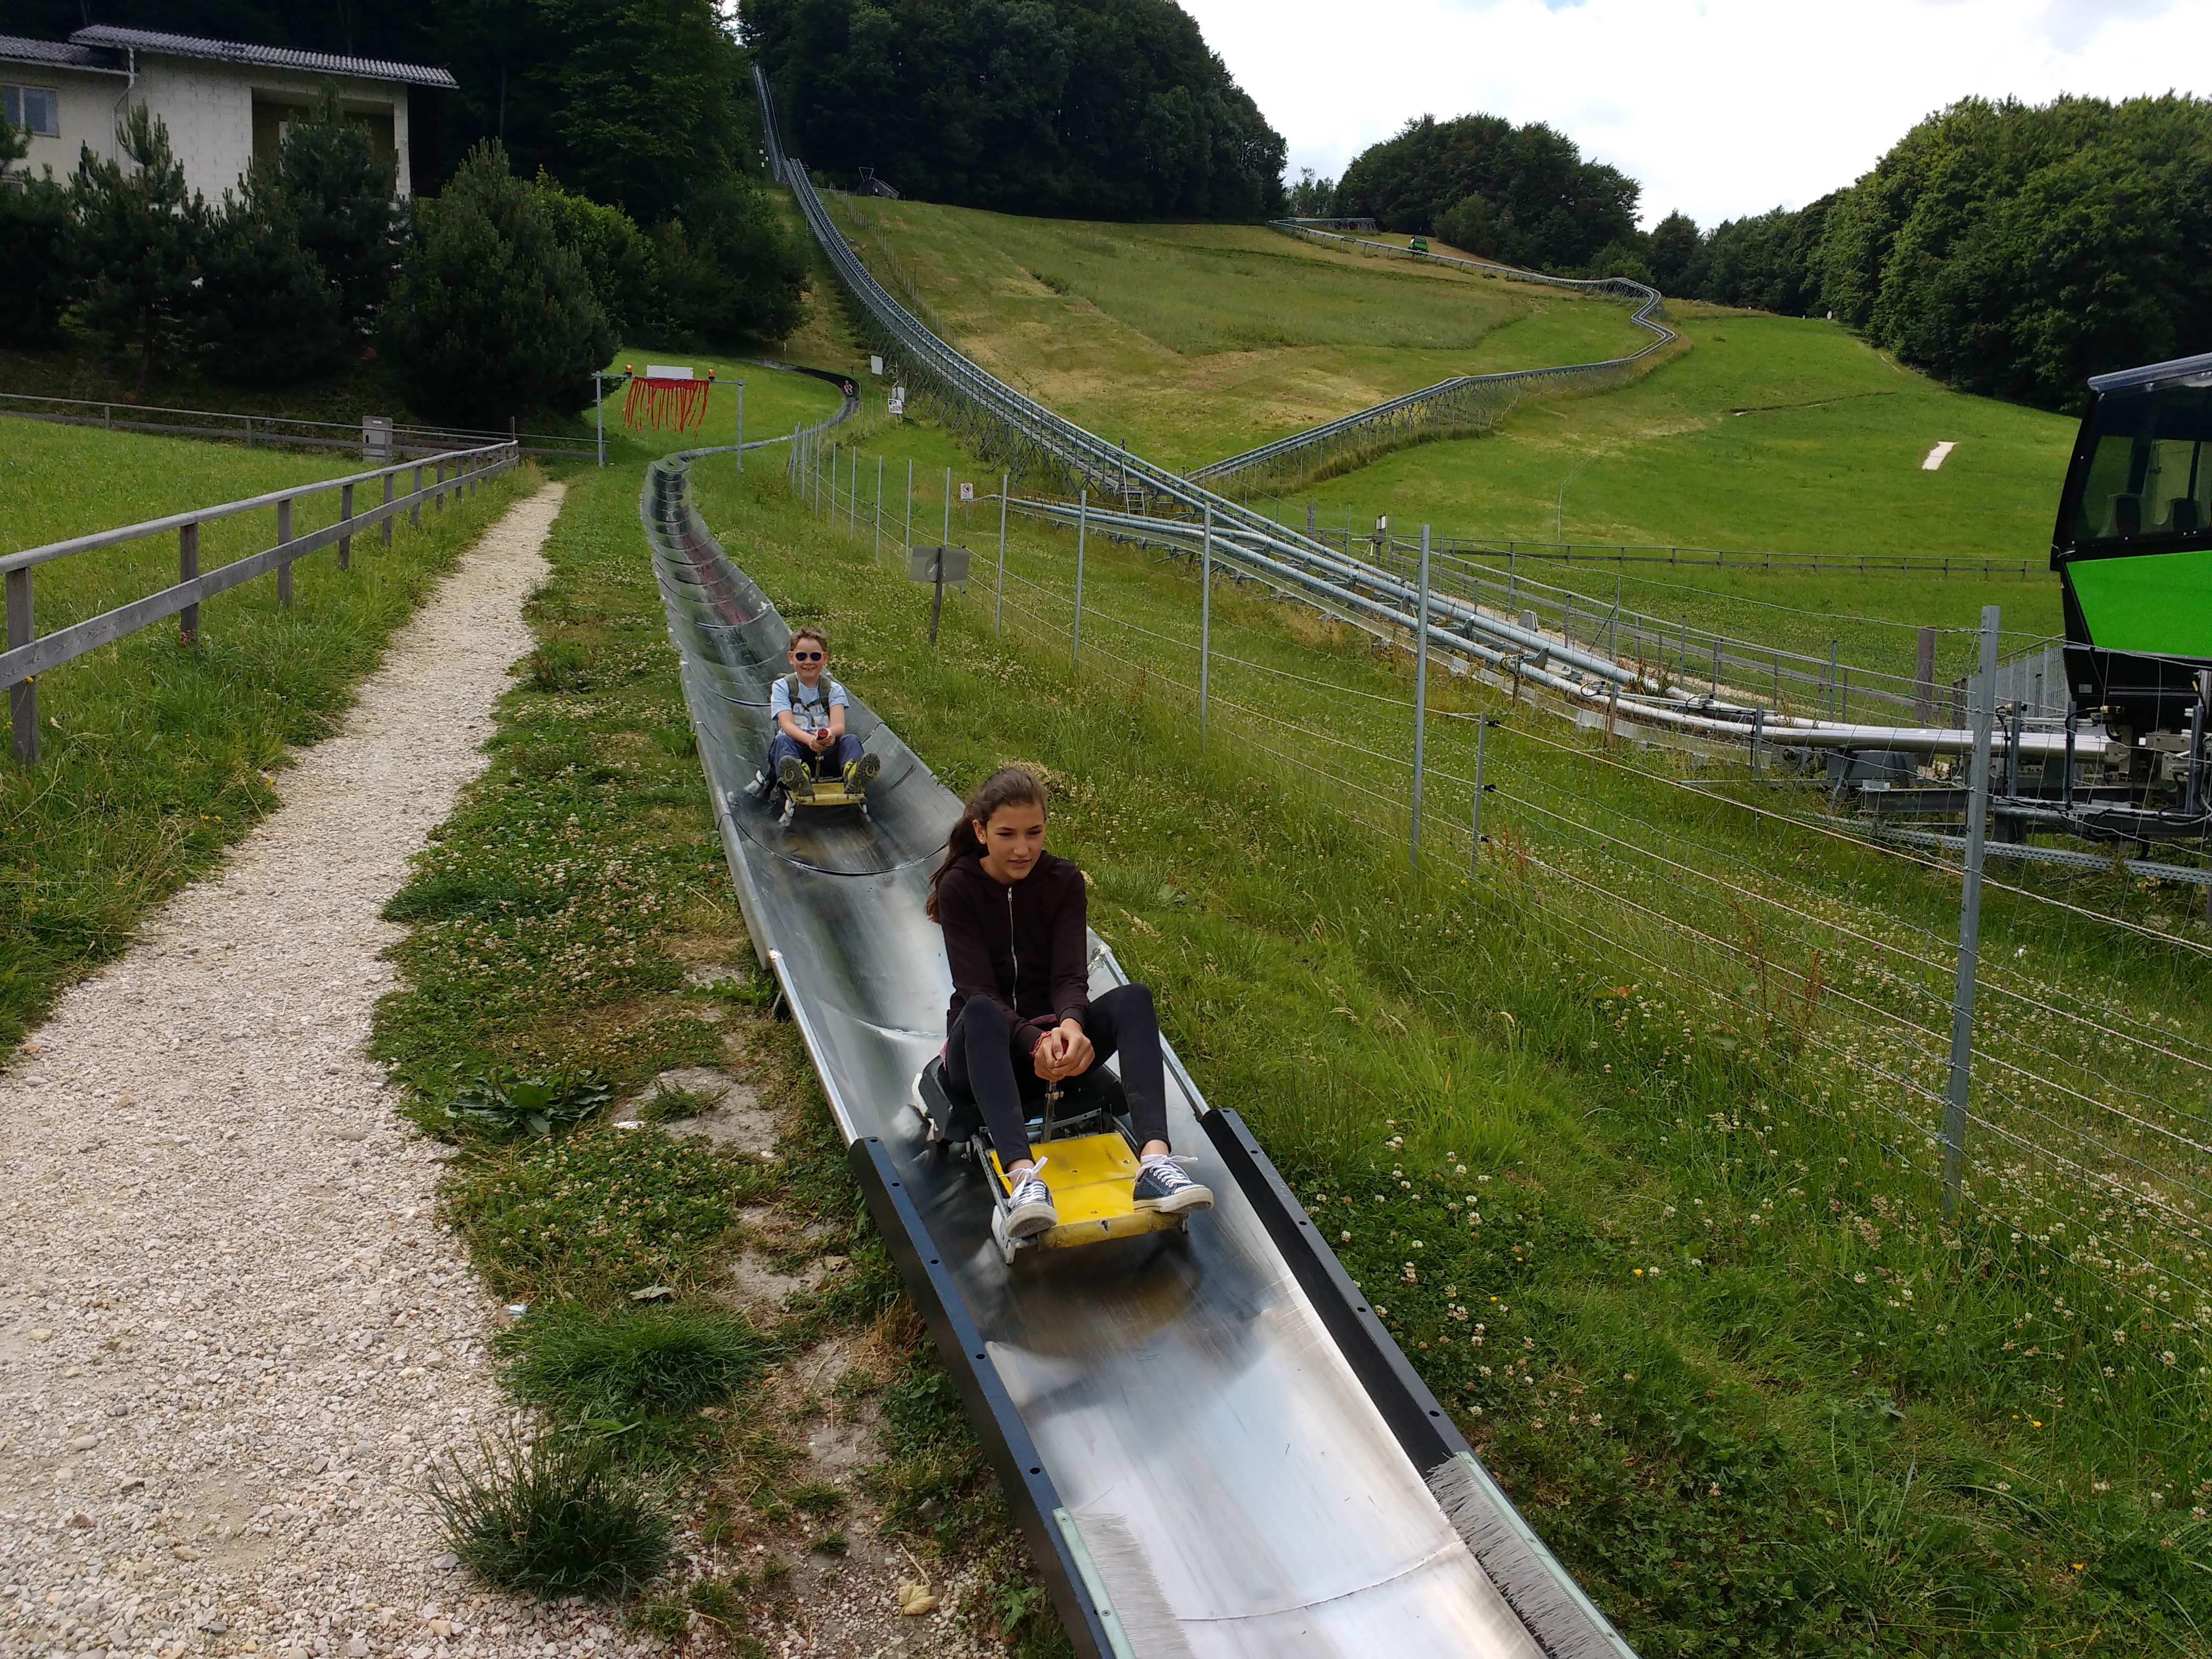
(34, 110)
(2150, 467)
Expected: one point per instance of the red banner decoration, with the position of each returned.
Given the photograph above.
(676, 401)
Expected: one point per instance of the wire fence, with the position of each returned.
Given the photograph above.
(1708, 915)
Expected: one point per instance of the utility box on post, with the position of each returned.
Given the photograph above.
(376, 440)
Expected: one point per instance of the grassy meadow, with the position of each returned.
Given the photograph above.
(1706, 1322)
(157, 756)
(1192, 341)
(1769, 434)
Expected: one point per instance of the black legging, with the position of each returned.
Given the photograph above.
(983, 1062)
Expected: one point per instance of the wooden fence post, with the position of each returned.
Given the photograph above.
(387, 501)
(188, 566)
(284, 536)
(414, 507)
(345, 512)
(23, 695)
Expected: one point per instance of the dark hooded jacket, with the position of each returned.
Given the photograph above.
(1023, 944)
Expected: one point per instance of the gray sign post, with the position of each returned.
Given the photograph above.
(942, 566)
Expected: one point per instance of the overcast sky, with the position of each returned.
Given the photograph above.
(1719, 107)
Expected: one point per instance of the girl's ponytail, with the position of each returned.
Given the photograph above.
(1010, 786)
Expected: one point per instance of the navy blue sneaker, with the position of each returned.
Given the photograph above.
(1162, 1185)
(1029, 1205)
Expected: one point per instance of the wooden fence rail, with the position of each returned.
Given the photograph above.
(30, 654)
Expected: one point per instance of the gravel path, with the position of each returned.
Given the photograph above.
(232, 1336)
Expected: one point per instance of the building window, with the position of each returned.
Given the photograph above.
(35, 110)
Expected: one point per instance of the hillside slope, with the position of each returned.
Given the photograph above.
(1192, 341)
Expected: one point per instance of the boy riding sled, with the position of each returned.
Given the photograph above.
(808, 708)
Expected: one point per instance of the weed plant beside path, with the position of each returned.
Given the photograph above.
(1716, 1342)
(156, 756)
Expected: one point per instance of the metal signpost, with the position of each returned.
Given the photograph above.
(941, 566)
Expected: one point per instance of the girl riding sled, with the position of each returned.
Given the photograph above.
(1022, 1017)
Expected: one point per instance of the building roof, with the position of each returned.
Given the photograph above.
(107, 36)
(59, 54)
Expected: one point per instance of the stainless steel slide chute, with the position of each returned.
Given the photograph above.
(1213, 1446)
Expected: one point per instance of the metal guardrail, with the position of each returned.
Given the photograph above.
(30, 654)
(1463, 404)
(284, 430)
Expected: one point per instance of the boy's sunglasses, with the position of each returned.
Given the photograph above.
(806, 656)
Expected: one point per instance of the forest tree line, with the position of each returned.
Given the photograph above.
(1104, 109)
(2008, 249)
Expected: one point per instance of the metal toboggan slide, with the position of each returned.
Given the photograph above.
(1213, 1446)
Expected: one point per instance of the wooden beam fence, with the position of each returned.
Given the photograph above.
(30, 654)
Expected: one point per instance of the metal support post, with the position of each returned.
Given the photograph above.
(907, 542)
(830, 504)
(1717, 668)
(188, 566)
(1474, 818)
(1420, 701)
(999, 605)
(1924, 678)
(345, 512)
(284, 537)
(23, 694)
(1758, 731)
(741, 426)
(1205, 619)
(2199, 718)
(1832, 679)
(2073, 714)
(853, 501)
(945, 540)
(1970, 919)
(876, 551)
(1082, 528)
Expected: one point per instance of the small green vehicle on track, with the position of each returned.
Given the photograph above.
(1418, 244)
(2133, 547)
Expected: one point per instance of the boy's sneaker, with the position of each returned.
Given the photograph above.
(859, 774)
(1029, 1205)
(1162, 1185)
(790, 772)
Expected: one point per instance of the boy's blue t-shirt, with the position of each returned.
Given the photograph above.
(812, 711)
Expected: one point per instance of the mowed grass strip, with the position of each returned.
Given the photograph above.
(156, 756)
(574, 918)
(1192, 342)
(1714, 1337)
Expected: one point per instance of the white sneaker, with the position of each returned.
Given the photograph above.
(1029, 1205)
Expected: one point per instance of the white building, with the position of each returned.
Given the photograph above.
(224, 103)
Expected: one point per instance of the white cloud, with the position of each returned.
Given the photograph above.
(1719, 107)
